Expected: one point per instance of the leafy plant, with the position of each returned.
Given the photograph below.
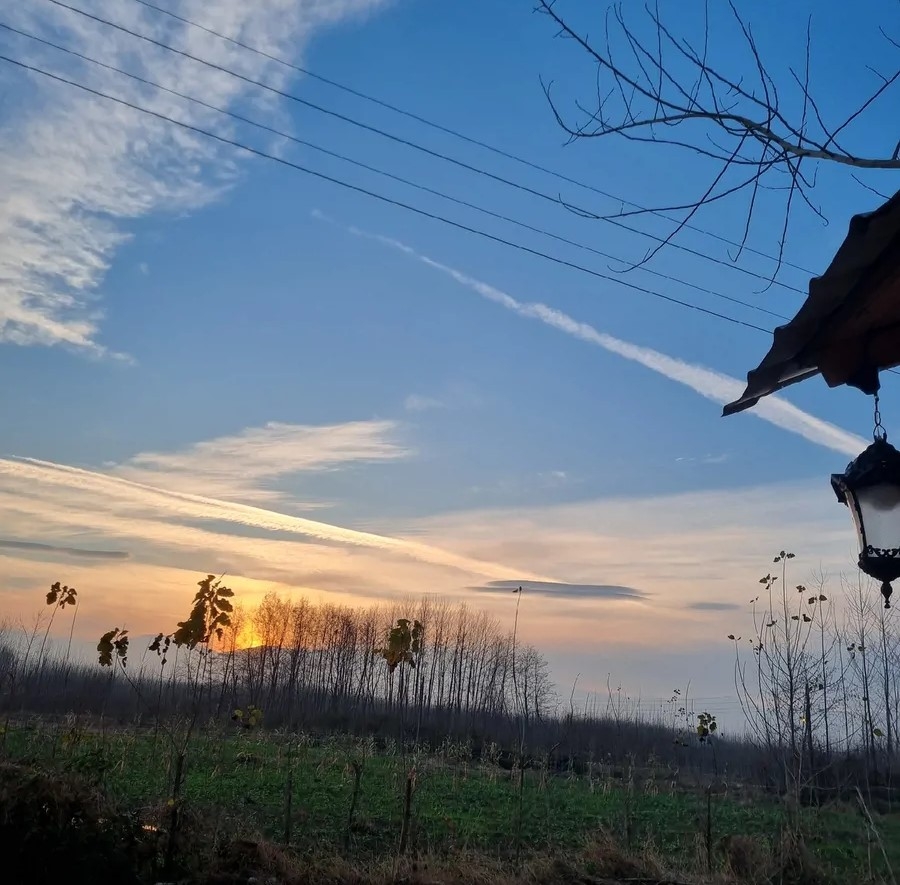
(58, 598)
(113, 645)
(161, 645)
(210, 614)
(61, 596)
(403, 645)
(249, 718)
(706, 726)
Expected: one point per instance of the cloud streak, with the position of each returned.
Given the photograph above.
(242, 466)
(570, 591)
(704, 606)
(687, 553)
(75, 170)
(77, 552)
(130, 498)
(712, 385)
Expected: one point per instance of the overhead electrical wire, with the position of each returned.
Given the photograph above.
(378, 171)
(588, 213)
(507, 155)
(449, 130)
(381, 197)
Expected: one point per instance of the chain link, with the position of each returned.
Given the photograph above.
(879, 432)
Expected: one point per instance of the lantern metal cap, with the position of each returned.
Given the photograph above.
(879, 463)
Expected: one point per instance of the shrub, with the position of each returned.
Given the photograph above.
(59, 829)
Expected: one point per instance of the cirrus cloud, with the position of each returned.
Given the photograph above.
(76, 170)
(243, 466)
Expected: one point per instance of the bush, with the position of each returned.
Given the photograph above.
(59, 829)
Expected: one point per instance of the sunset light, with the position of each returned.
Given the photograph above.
(422, 425)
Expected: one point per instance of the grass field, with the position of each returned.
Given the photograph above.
(237, 782)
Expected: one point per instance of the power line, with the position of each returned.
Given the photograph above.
(479, 143)
(376, 170)
(418, 147)
(381, 197)
(448, 130)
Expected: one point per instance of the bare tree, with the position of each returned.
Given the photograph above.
(775, 690)
(654, 85)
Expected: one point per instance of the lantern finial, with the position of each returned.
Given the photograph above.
(886, 591)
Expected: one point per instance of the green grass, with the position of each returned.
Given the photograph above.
(238, 779)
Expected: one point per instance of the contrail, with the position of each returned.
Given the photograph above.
(200, 507)
(708, 383)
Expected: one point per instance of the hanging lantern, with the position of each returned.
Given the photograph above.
(870, 487)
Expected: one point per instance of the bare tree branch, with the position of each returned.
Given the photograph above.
(661, 90)
(869, 187)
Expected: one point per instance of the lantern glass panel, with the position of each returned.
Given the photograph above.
(879, 509)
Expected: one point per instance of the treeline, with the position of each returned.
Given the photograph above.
(321, 668)
(302, 664)
(817, 680)
(310, 660)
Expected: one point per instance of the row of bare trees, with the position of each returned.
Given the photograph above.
(304, 663)
(327, 658)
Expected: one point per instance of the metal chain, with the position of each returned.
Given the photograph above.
(879, 432)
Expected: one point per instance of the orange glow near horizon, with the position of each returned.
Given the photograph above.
(246, 638)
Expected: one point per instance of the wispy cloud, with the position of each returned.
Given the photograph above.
(687, 553)
(242, 466)
(559, 589)
(706, 606)
(554, 477)
(74, 169)
(716, 386)
(53, 549)
(704, 459)
(707, 548)
(417, 402)
(452, 396)
(58, 495)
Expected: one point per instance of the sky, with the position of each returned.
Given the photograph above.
(217, 362)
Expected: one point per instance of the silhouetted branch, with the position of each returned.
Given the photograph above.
(661, 90)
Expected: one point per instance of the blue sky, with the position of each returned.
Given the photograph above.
(176, 315)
